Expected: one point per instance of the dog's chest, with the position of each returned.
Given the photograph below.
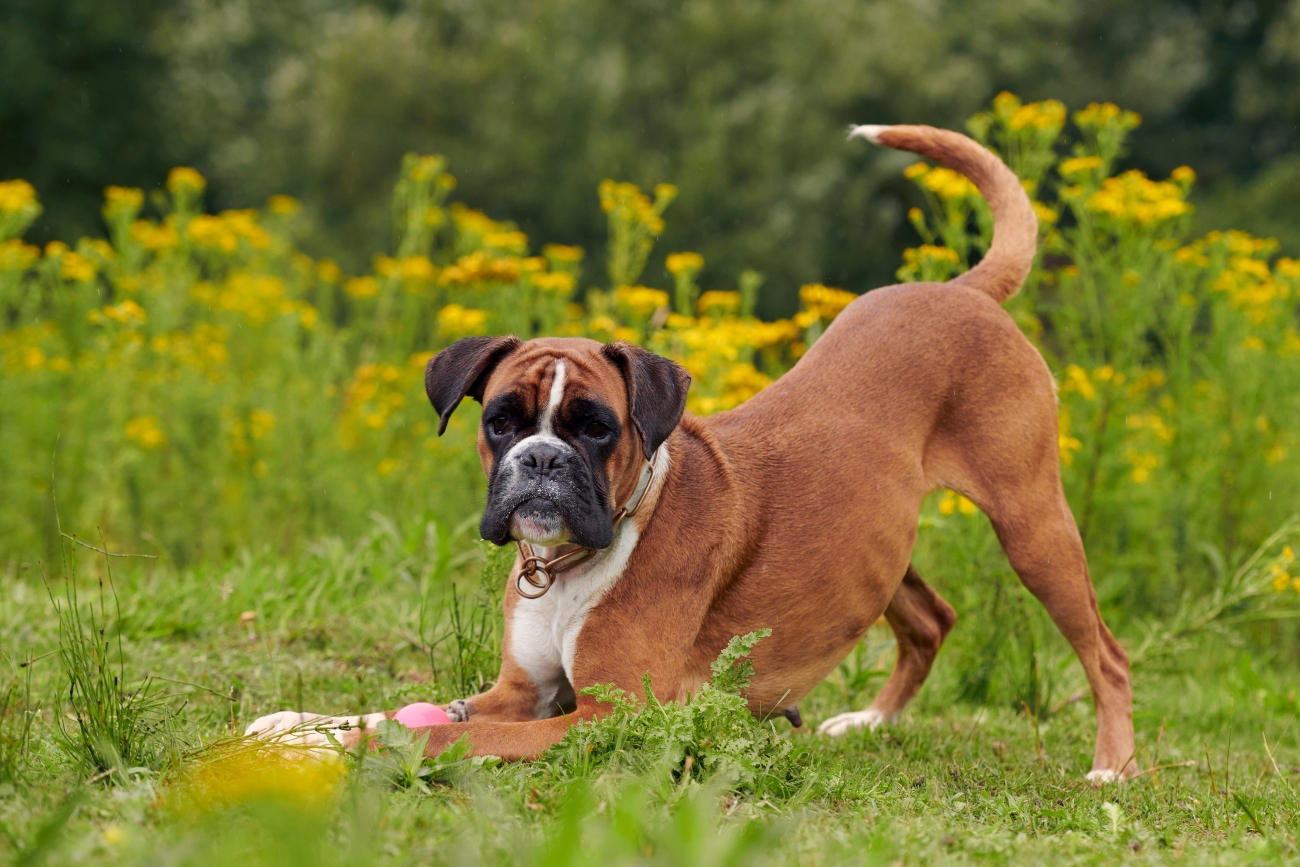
(544, 631)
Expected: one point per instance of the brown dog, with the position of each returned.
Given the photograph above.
(796, 511)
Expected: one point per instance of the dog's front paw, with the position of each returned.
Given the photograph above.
(313, 730)
(1102, 776)
(458, 711)
(838, 725)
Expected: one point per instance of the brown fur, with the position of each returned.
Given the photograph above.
(798, 510)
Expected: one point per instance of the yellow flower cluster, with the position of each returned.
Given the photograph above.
(145, 431)
(242, 776)
(1133, 198)
(16, 196)
(126, 313)
(942, 181)
(1282, 578)
(1107, 114)
(951, 502)
(455, 321)
(639, 208)
(678, 263)
(257, 297)
(640, 302)
(224, 231)
(824, 302)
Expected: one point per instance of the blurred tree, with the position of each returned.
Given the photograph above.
(741, 103)
(77, 112)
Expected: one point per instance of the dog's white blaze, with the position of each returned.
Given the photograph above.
(544, 632)
(554, 399)
(545, 425)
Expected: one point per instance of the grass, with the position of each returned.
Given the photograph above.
(339, 630)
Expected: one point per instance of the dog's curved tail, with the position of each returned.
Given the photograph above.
(1015, 226)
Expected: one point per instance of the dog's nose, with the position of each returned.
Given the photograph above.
(542, 459)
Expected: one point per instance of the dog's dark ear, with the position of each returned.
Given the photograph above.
(656, 392)
(462, 370)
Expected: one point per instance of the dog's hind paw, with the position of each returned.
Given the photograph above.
(1102, 776)
(838, 725)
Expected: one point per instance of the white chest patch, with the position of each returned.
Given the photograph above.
(544, 631)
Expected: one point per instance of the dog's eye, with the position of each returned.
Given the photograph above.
(596, 431)
(500, 426)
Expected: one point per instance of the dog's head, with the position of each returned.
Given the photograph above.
(567, 424)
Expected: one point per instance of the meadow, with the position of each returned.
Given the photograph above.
(223, 496)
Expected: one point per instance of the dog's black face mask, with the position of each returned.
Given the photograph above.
(549, 483)
(548, 440)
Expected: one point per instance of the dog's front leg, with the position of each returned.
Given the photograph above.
(622, 639)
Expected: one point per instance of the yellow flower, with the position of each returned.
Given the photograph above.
(641, 301)
(128, 199)
(1076, 379)
(1101, 114)
(362, 287)
(386, 466)
(947, 184)
(237, 776)
(284, 205)
(563, 253)
(955, 502)
(154, 237)
(824, 302)
(1078, 166)
(1142, 464)
(1253, 342)
(17, 256)
(417, 268)
(76, 267)
(509, 242)
(145, 431)
(684, 262)
(185, 178)
(559, 282)
(113, 835)
(16, 195)
(328, 271)
(716, 303)
(455, 321)
(1134, 198)
(915, 170)
(260, 423)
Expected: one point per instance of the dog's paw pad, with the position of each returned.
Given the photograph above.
(845, 722)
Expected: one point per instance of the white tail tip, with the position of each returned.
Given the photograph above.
(870, 132)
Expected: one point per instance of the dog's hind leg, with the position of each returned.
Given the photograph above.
(1038, 533)
(921, 619)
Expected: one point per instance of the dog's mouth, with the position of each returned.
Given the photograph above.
(538, 521)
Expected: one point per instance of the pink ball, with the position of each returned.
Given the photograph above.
(413, 716)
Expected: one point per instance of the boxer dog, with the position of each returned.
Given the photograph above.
(648, 538)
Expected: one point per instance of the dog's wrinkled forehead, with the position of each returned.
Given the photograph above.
(545, 378)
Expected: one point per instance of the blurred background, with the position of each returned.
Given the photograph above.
(742, 105)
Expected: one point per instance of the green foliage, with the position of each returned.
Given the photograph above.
(710, 739)
(398, 758)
